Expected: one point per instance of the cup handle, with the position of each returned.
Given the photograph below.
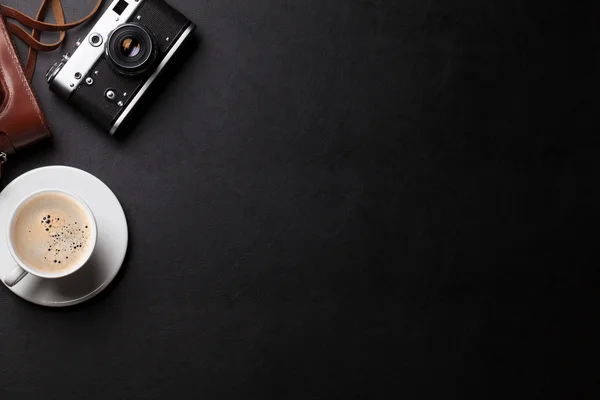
(14, 276)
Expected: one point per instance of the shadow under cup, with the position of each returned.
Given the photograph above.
(51, 234)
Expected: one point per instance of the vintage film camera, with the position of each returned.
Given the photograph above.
(122, 55)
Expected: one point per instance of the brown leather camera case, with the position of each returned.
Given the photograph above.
(21, 119)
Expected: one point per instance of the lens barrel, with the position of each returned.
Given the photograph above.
(130, 49)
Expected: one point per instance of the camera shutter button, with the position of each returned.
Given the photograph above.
(110, 94)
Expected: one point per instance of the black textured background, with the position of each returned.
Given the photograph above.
(340, 199)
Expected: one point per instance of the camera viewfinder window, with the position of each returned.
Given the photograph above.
(120, 7)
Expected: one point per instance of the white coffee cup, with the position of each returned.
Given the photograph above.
(22, 268)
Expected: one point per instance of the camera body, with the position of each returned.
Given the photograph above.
(114, 65)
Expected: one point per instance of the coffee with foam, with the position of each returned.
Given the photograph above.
(52, 233)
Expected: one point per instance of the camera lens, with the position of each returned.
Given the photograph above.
(130, 47)
(130, 50)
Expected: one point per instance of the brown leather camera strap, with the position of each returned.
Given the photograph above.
(38, 25)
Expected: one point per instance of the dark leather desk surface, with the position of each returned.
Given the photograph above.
(340, 199)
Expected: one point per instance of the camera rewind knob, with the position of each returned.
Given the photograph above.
(53, 71)
(56, 67)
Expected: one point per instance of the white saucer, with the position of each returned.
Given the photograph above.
(110, 248)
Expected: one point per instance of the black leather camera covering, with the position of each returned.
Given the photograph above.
(91, 100)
